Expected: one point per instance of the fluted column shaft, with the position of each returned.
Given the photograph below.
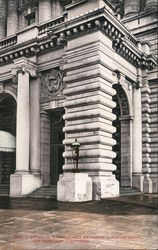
(3, 18)
(131, 7)
(45, 9)
(57, 8)
(12, 17)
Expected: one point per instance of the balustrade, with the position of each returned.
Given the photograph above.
(5, 43)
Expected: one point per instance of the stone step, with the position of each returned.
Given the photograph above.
(45, 192)
(4, 190)
(124, 191)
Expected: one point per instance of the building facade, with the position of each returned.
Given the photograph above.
(84, 70)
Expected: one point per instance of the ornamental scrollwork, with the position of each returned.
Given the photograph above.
(52, 83)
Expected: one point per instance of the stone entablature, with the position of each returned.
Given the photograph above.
(58, 35)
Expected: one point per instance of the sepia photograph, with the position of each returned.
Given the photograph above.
(78, 124)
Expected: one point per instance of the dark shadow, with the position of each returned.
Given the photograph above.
(141, 204)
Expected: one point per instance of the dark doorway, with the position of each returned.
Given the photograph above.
(122, 137)
(7, 124)
(56, 146)
(7, 166)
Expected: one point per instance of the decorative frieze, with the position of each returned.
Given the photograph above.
(52, 84)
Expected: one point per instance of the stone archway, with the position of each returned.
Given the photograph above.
(8, 129)
(123, 137)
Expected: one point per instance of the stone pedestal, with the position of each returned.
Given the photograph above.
(74, 187)
(23, 184)
(105, 186)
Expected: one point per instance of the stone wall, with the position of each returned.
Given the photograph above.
(45, 148)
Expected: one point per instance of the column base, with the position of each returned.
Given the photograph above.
(137, 181)
(21, 184)
(150, 183)
(105, 186)
(74, 187)
(125, 181)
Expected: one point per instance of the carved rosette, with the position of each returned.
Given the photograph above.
(52, 84)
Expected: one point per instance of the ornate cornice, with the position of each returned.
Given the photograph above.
(122, 41)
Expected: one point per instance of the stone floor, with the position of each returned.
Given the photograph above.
(120, 223)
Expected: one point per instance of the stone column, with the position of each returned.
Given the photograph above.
(57, 8)
(35, 126)
(22, 182)
(45, 10)
(137, 139)
(151, 5)
(12, 17)
(3, 18)
(131, 7)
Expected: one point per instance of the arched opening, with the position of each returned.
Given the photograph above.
(122, 137)
(8, 134)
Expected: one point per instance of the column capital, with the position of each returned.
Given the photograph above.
(23, 65)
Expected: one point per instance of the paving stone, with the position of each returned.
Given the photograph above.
(118, 223)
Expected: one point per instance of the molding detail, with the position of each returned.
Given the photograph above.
(8, 89)
(51, 36)
(52, 83)
(1, 88)
(23, 65)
